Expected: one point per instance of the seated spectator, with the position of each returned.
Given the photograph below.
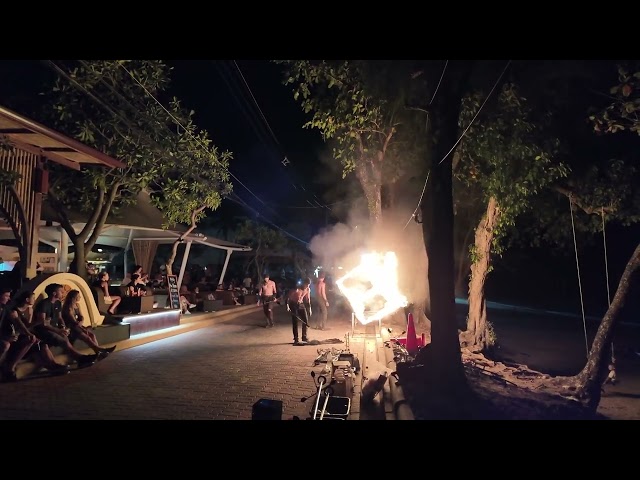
(137, 287)
(112, 300)
(185, 300)
(137, 270)
(73, 319)
(20, 317)
(49, 328)
(198, 298)
(158, 281)
(15, 338)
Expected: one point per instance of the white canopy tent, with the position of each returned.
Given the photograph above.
(139, 227)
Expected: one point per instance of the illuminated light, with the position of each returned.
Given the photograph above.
(372, 287)
(99, 250)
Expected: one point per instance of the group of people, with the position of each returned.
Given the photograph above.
(136, 286)
(298, 303)
(31, 330)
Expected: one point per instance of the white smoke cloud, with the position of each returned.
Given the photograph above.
(342, 244)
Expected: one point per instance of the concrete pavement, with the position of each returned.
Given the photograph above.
(216, 372)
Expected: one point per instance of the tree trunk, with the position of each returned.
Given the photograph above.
(79, 262)
(86, 239)
(590, 379)
(174, 247)
(373, 195)
(464, 264)
(446, 370)
(259, 270)
(369, 175)
(479, 334)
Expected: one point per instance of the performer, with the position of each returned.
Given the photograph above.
(321, 300)
(267, 295)
(296, 305)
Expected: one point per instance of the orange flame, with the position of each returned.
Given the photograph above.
(372, 287)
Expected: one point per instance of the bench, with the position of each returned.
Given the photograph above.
(137, 304)
(250, 299)
(226, 296)
(98, 295)
(127, 304)
(212, 305)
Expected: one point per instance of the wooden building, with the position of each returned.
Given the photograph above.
(26, 147)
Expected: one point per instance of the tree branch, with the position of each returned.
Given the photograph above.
(426, 110)
(387, 140)
(104, 212)
(97, 208)
(588, 209)
(63, 217)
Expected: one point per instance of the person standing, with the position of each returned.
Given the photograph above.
(267, 295)
(296, 305)
(323, 303)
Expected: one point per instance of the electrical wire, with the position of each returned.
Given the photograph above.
(245, 107)
(191, 135)
(459, 139)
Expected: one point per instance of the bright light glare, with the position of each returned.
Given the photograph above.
(372, 287)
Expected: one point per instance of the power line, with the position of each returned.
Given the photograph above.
(256, 103)
(248, 107)
(242, 203)
(118, 114)
(197, 140)
(194, 138)
(439, 81)
(245, 108)
(459, 139)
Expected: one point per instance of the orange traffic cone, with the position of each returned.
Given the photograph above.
(412, 340)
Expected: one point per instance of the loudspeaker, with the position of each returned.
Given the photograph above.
(266, 409)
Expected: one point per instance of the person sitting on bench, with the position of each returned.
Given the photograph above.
(49, 328)
(112, 300)
(73, 319)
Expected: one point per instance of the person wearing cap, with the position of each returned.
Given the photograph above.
(267, 295)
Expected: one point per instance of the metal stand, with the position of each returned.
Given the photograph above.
(370, 330)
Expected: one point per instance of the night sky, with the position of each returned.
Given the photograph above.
(247, 110)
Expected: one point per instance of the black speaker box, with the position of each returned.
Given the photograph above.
(266, 409)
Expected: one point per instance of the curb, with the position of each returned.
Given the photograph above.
(400, 408)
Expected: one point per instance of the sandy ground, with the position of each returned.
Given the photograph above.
(554, 345)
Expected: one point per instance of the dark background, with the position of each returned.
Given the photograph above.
(230, 99)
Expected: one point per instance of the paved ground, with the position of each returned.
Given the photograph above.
(213, 373)
(556, 345)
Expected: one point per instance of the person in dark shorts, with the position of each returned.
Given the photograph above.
(267, 296)
(297, 305)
